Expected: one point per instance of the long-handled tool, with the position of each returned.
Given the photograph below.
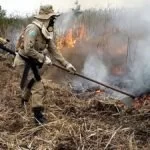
(128, 100)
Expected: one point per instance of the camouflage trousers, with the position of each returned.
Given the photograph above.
(37, 92)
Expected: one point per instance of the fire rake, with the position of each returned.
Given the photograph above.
(97, 82)
(131, 97)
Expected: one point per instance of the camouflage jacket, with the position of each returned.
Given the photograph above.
(35, 43)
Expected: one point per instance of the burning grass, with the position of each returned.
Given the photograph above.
(71, 37)
(93, 123)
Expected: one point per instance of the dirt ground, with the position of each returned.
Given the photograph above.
(74, 123)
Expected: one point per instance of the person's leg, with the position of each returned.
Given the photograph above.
(38, 94)
(25, 91)
(26, 84)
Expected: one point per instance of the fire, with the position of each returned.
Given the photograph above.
(117, 70)
(122, 50)
(71, 37)
(98, 91)
(81, 32)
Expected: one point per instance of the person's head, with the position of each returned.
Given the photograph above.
(47, 15)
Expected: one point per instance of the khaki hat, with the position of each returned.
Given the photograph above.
(45, 12)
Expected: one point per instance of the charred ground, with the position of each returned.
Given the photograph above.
(74, 123)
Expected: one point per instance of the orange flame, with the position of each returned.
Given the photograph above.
(98, 91)
(81, 32)
(71, 37)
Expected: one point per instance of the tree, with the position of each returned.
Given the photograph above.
(2, 13)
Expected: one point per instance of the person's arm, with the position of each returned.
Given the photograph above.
(58, 56)
(56, 53)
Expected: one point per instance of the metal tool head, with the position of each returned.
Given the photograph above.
(128, 101)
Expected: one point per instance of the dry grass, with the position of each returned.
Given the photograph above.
(95, 123)
(74, 123)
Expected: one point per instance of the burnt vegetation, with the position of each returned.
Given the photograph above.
(92, 123)
(83, 120)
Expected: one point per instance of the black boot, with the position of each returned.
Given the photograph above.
(39, 118)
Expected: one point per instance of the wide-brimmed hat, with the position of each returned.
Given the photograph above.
(46, 12)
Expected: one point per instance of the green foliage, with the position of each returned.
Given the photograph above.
(2, 13)
(11, 22)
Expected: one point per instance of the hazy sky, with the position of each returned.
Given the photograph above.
(23, 7)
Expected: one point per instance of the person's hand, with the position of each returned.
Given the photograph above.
(47, 61)
(70, 68)
(4, 41)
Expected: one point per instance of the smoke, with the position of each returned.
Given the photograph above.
(135, 25)
(64, 22)
(117, 51)
(95, 68)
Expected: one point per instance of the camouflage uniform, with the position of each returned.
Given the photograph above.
(34, 45)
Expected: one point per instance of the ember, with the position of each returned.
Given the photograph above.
(98, 91)
(117, 70)
(141, 101)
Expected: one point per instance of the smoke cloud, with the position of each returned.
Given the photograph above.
(117, 49)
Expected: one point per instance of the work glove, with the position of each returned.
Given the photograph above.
(4, 41)
(47, 61)
(70, 68)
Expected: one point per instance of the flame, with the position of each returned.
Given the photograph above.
(69, 39)
(118, 70)
(72, 36)
(98, 91)
(81, 32)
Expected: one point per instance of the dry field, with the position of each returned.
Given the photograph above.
(91, 122)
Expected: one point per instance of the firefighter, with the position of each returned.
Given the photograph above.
(34, 41)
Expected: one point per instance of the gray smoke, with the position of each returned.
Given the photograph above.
(134, 25)
(64, 22)
(116, 37)
(97, 69)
